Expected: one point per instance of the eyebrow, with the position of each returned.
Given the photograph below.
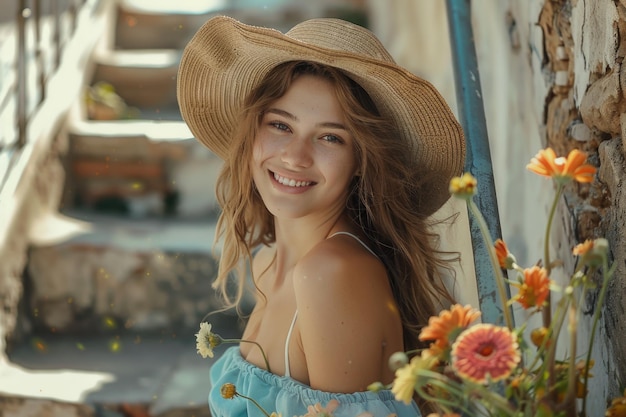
(293, 117)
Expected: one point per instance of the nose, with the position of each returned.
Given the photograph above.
(297, 152)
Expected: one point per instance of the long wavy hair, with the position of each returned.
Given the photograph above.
(383, 200)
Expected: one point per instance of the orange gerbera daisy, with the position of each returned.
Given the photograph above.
(534, 291)
(562, 169)
(444, 328)
(505, 258)
(485, 352)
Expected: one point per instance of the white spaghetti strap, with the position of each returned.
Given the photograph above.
(357, 239)
(293, 322)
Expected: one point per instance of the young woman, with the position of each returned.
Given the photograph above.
(335, 159)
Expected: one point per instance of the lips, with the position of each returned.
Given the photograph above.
(291, 182)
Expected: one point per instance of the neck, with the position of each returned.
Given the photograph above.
(296, 237)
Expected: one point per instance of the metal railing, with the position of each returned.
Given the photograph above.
(31, 50)
(478, 156)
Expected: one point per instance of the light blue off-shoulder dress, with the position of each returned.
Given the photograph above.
(288, 397)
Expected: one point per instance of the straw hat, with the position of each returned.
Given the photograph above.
(226, 59)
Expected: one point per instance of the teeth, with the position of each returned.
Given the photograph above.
(291, 182)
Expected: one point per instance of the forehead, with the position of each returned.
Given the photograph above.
(311, 96)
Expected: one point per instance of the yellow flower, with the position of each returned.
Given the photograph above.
(538, 335)
(403, 385)
(228, 391)
(534, 291)
(562, 169)
(505, 258)
(206, 341)
(485, 352)
(463, 187)
(444, 328)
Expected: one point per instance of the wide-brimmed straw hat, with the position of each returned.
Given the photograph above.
(226, 59)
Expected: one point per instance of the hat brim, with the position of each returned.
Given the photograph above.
(226, 59)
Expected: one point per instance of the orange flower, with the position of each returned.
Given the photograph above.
(618, 407)
(505, 258)
(562, 169)
(535, 288)
(485, 353)
(592, 252)
(444, 328)
(583, 248)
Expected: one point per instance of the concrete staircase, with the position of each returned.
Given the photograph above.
(118, 281)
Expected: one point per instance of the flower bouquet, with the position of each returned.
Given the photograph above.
(502, 370)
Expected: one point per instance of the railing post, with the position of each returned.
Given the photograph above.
(39, 59)
(478, 157)
(21, 73)
(56, 33)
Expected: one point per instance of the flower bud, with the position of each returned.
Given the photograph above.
(398, 360)
(228, 391)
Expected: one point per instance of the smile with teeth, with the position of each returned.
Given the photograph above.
(291, 182)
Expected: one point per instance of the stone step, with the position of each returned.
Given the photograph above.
(90, 274)
(142, 24)
(149, 24)
(112, 375)
(142, 78)
(139, 168)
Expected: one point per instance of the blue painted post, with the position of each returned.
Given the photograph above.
(478, 158)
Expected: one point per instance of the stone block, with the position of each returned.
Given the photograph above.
(15, 406)
(145, 276)
(612, 169)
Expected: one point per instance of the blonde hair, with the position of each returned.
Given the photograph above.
(383, 201)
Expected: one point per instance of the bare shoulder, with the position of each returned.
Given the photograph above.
(337, 265)
(343, 299)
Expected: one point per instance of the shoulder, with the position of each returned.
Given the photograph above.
(337, 262)
(341, 275)
(343, 297)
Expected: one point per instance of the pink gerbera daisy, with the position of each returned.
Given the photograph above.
(485, 352)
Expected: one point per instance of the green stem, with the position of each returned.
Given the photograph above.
(596, 317)
(460, 393)
(569, 405)
(494, 262)
(254, 402)
(267, 364)
(546, 252)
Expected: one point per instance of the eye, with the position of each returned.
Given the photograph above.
(280, 126)
(332, 139)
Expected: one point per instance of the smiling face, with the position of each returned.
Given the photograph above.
(303, 156)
